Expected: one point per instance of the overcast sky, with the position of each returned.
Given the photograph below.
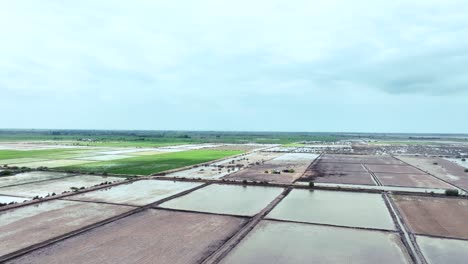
(331, 65)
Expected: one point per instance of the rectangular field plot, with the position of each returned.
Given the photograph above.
(367, 210)
(152, 236)
(412, 180)
(280, 242)
(56, 185)
(444, 217)
(9, 199)
(441, 250)
(393, 169)
(340, 177)
(226, 199)
(103, 157)
(53, 163)
(32, 176)
(443, 169)
(137, 193)
(324, 167)
(19, 160)
(29, 225)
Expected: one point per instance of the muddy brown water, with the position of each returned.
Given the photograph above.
(226, 199)
(279, 242)
(351, 209)
(152, 236)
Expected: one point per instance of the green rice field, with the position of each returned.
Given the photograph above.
(145, 165)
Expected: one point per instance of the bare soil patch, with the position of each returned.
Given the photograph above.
(435, 216)
(29, 225)
(393, 169)
(411, 180)
(152, 236)
(441, 168)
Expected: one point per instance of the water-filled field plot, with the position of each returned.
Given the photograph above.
(366, 210)
(57, 186)
(281, 242)
(4, 199)
(442, 250)
(152, 236)
(226, 199)
(444, 217)
(137, 193)
(32, 176)
(29, 225)
(441, 168)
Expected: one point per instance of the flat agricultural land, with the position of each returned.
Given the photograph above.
(263, 171)
(444, 217)
(411, 180)
(29, 225)
(152, 236)
(145, 165)
(281, 242)
(341, 169)
(442, 250)
(32, 176)
(57, 186)
(136, 193)
(226, 199)
(441, 168)
(366, 210)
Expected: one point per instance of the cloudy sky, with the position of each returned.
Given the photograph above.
(331, 65)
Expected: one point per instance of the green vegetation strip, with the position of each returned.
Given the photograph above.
(146, 165)
(41, 154)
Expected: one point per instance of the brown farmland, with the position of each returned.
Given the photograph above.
(29, 225)
(411, 180)
(393, 169)
(441, 168)
(152, 236)
(435, 216)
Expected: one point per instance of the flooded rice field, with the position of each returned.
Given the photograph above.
(434, 216)
(32, 176)
(226, 199)
(137, 193)
(280, 242)
(367, 210)
(28, 225)
(441, 250)
(152, 236)
(12, 199)
(56, 186)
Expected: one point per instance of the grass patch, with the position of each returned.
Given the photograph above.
(145, 165)
(41, 154)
